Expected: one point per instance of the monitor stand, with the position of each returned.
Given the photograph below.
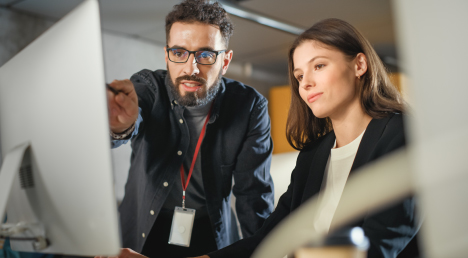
(18, 160)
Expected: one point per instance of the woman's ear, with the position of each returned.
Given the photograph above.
(361, 65)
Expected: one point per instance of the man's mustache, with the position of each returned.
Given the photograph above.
(190, 78)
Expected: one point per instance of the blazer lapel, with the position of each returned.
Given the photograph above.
(367, 146)
(317, 167)
(319, 162)
(369, 141)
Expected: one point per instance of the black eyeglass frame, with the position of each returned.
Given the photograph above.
(194, 52)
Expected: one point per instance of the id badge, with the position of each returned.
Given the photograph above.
(182, 224)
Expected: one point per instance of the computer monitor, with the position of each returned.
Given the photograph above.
(54, 125)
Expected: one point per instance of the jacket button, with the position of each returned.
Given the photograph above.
(165, 185)
(181, 121)
(175, 102)
(143, 235)
(179, 153)
(151, 212)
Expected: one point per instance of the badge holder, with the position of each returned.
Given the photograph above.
(182, 224)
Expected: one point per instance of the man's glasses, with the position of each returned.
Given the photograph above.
(203, 57)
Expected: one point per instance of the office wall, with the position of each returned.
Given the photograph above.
(123, 56)
(17, 30)
(261, 80)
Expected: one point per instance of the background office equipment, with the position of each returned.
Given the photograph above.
(53, 111)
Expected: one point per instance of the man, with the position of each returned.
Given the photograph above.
(194, 132)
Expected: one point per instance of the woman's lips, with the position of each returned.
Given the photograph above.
(313, 97)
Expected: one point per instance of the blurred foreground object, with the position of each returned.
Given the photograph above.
(345, 243)
(433, 54)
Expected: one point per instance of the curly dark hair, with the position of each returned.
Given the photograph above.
(190, 11)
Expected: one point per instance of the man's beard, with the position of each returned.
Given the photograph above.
(200, 97)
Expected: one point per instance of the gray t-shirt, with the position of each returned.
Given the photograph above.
(195, 194)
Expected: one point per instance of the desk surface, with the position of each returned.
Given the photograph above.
(330, 252)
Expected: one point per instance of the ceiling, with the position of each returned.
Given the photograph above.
(263, 47)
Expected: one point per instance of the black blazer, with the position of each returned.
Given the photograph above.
(389, 231)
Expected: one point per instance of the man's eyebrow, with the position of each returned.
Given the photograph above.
(206, 48)
(310, 61)
(200, 49)
(176, 46)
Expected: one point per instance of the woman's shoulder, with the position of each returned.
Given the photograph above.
(393, 134)
(394, 126)
(396, 121)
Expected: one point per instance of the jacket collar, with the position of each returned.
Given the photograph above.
(364, 154)
(217, 102)
(317, 166)
(167, 83)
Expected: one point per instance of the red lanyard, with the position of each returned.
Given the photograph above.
(195, 154)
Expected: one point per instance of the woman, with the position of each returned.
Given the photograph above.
(344, 113)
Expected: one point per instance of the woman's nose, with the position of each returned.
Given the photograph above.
(307, 82)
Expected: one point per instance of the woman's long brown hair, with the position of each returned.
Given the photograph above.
(378, 95)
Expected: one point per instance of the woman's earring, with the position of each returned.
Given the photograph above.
(359, 77)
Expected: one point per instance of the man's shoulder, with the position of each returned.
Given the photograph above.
(149, 85)
(242, 93)
(160, 73)
(238, 88)
(152, 78)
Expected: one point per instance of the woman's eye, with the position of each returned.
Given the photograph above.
(299, 78)
(319, 66)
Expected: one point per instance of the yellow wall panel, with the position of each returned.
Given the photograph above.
(401, 82)
(279, 100)
(395, 78)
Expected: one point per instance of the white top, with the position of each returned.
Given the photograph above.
(337, 170)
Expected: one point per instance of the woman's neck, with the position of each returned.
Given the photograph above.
(349, 125)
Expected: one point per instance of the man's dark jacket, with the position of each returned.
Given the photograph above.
(389, 231)
(237, 144)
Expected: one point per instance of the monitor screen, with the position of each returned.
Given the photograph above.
(54, 125)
